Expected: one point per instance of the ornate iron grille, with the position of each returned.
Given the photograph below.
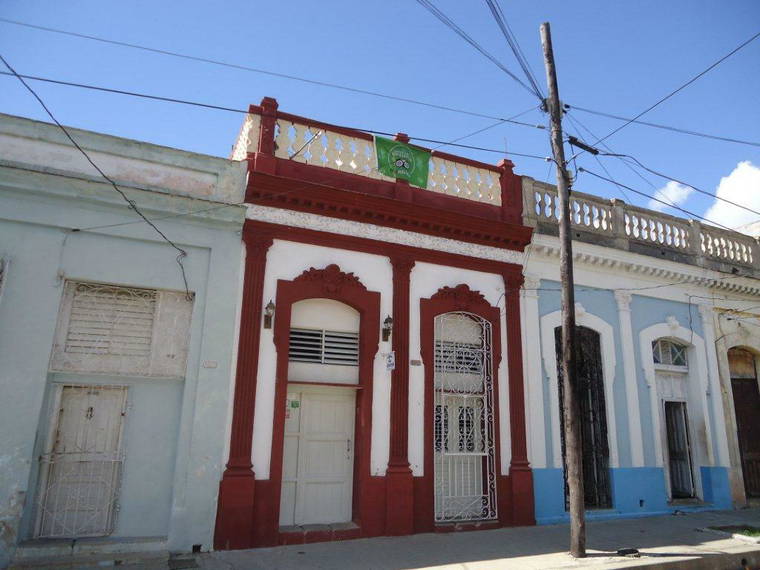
(463, 447)
(80, 474)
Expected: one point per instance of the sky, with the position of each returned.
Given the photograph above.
(614, 57)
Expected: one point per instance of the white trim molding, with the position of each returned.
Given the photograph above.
(534, 389)
(698, 382)
(623, 299)
(607, 340)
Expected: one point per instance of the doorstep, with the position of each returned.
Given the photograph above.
(305, 534)
(84, 552)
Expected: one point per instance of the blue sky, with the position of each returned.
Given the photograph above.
(617, 57)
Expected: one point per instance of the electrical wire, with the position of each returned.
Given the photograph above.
(660, 126)
(657, 200)
(131, 203)
(486, 128)
(506, 31)
(240, 67)
(700, 190)
(449, 23)
(678, 89)
(246, 112)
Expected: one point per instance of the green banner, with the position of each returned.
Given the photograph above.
(400, 160)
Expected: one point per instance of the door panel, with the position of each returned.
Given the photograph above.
(318, 457)
(747, 408)
(679, 450)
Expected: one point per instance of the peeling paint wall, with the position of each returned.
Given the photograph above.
(174, 428)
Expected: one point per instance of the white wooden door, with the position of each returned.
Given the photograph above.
(80, 472)
(318, 456)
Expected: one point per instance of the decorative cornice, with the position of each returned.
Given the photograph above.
(319, 222)
(332, 278)
(640, 266)
(463, 297)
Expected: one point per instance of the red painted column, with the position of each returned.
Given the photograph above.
(264, 159)
(234, 517)
(511, 193)
(520, 474)
(399, 481)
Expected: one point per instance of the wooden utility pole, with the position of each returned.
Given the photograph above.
(571, 407)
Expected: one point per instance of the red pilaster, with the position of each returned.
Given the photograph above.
(234, 517)
(399, 481)
(264, 157)
(511, 193)
(520, 474)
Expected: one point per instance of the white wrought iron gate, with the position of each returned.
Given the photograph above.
(464, 456)
(81, 470)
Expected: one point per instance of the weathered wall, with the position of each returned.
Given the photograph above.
(174, 428)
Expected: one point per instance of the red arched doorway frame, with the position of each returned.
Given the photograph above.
(446, 300)
(328, 283)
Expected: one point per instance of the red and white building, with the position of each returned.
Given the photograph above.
(379, 384)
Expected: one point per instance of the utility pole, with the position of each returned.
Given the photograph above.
(571, 407)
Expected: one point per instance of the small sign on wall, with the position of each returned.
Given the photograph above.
(390, 360)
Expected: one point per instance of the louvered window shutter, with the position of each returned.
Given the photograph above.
(324, 347)
(122, 330)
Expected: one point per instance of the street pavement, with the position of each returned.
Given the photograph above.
(671, 541)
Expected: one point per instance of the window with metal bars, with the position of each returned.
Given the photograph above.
(458, 357)
(320, 346)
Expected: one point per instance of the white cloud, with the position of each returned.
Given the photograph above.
(741, 186)
(672, 193)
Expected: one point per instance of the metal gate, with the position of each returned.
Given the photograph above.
(590, 381)
(80, 472)
(464, 456)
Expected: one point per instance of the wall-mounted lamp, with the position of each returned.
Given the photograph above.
(387, 328)
(268, 314)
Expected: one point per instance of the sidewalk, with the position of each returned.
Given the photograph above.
(672, 541)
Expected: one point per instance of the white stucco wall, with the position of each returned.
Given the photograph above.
(287, 260)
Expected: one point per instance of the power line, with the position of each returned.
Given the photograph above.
(506, 31)
(449, 23)
(131, 203)
(666, 127)
(250, 69)
(666, 177)
(683, 86)
(483, 129)
(246, 112)
(687, 212)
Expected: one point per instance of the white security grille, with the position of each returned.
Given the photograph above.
(80, 473)
(324, 347)
(464, 456)
(122, 330)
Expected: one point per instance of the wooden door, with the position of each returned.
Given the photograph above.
(679, 450)
(318, 456)
(747, 409)
(590, 379)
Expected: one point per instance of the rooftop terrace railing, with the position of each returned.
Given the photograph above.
(284, 136)
(617, 224)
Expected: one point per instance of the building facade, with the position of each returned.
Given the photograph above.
(116, 366)
(379, 377)
(667, 316)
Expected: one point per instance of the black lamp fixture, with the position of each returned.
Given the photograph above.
(387, 328)
(268, 314)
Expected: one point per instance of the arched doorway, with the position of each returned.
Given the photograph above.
(463, 418)
(590, 378)
(743, 367)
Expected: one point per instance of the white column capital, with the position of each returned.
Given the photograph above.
(623, 299)
(705, 310)
(531, 285)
